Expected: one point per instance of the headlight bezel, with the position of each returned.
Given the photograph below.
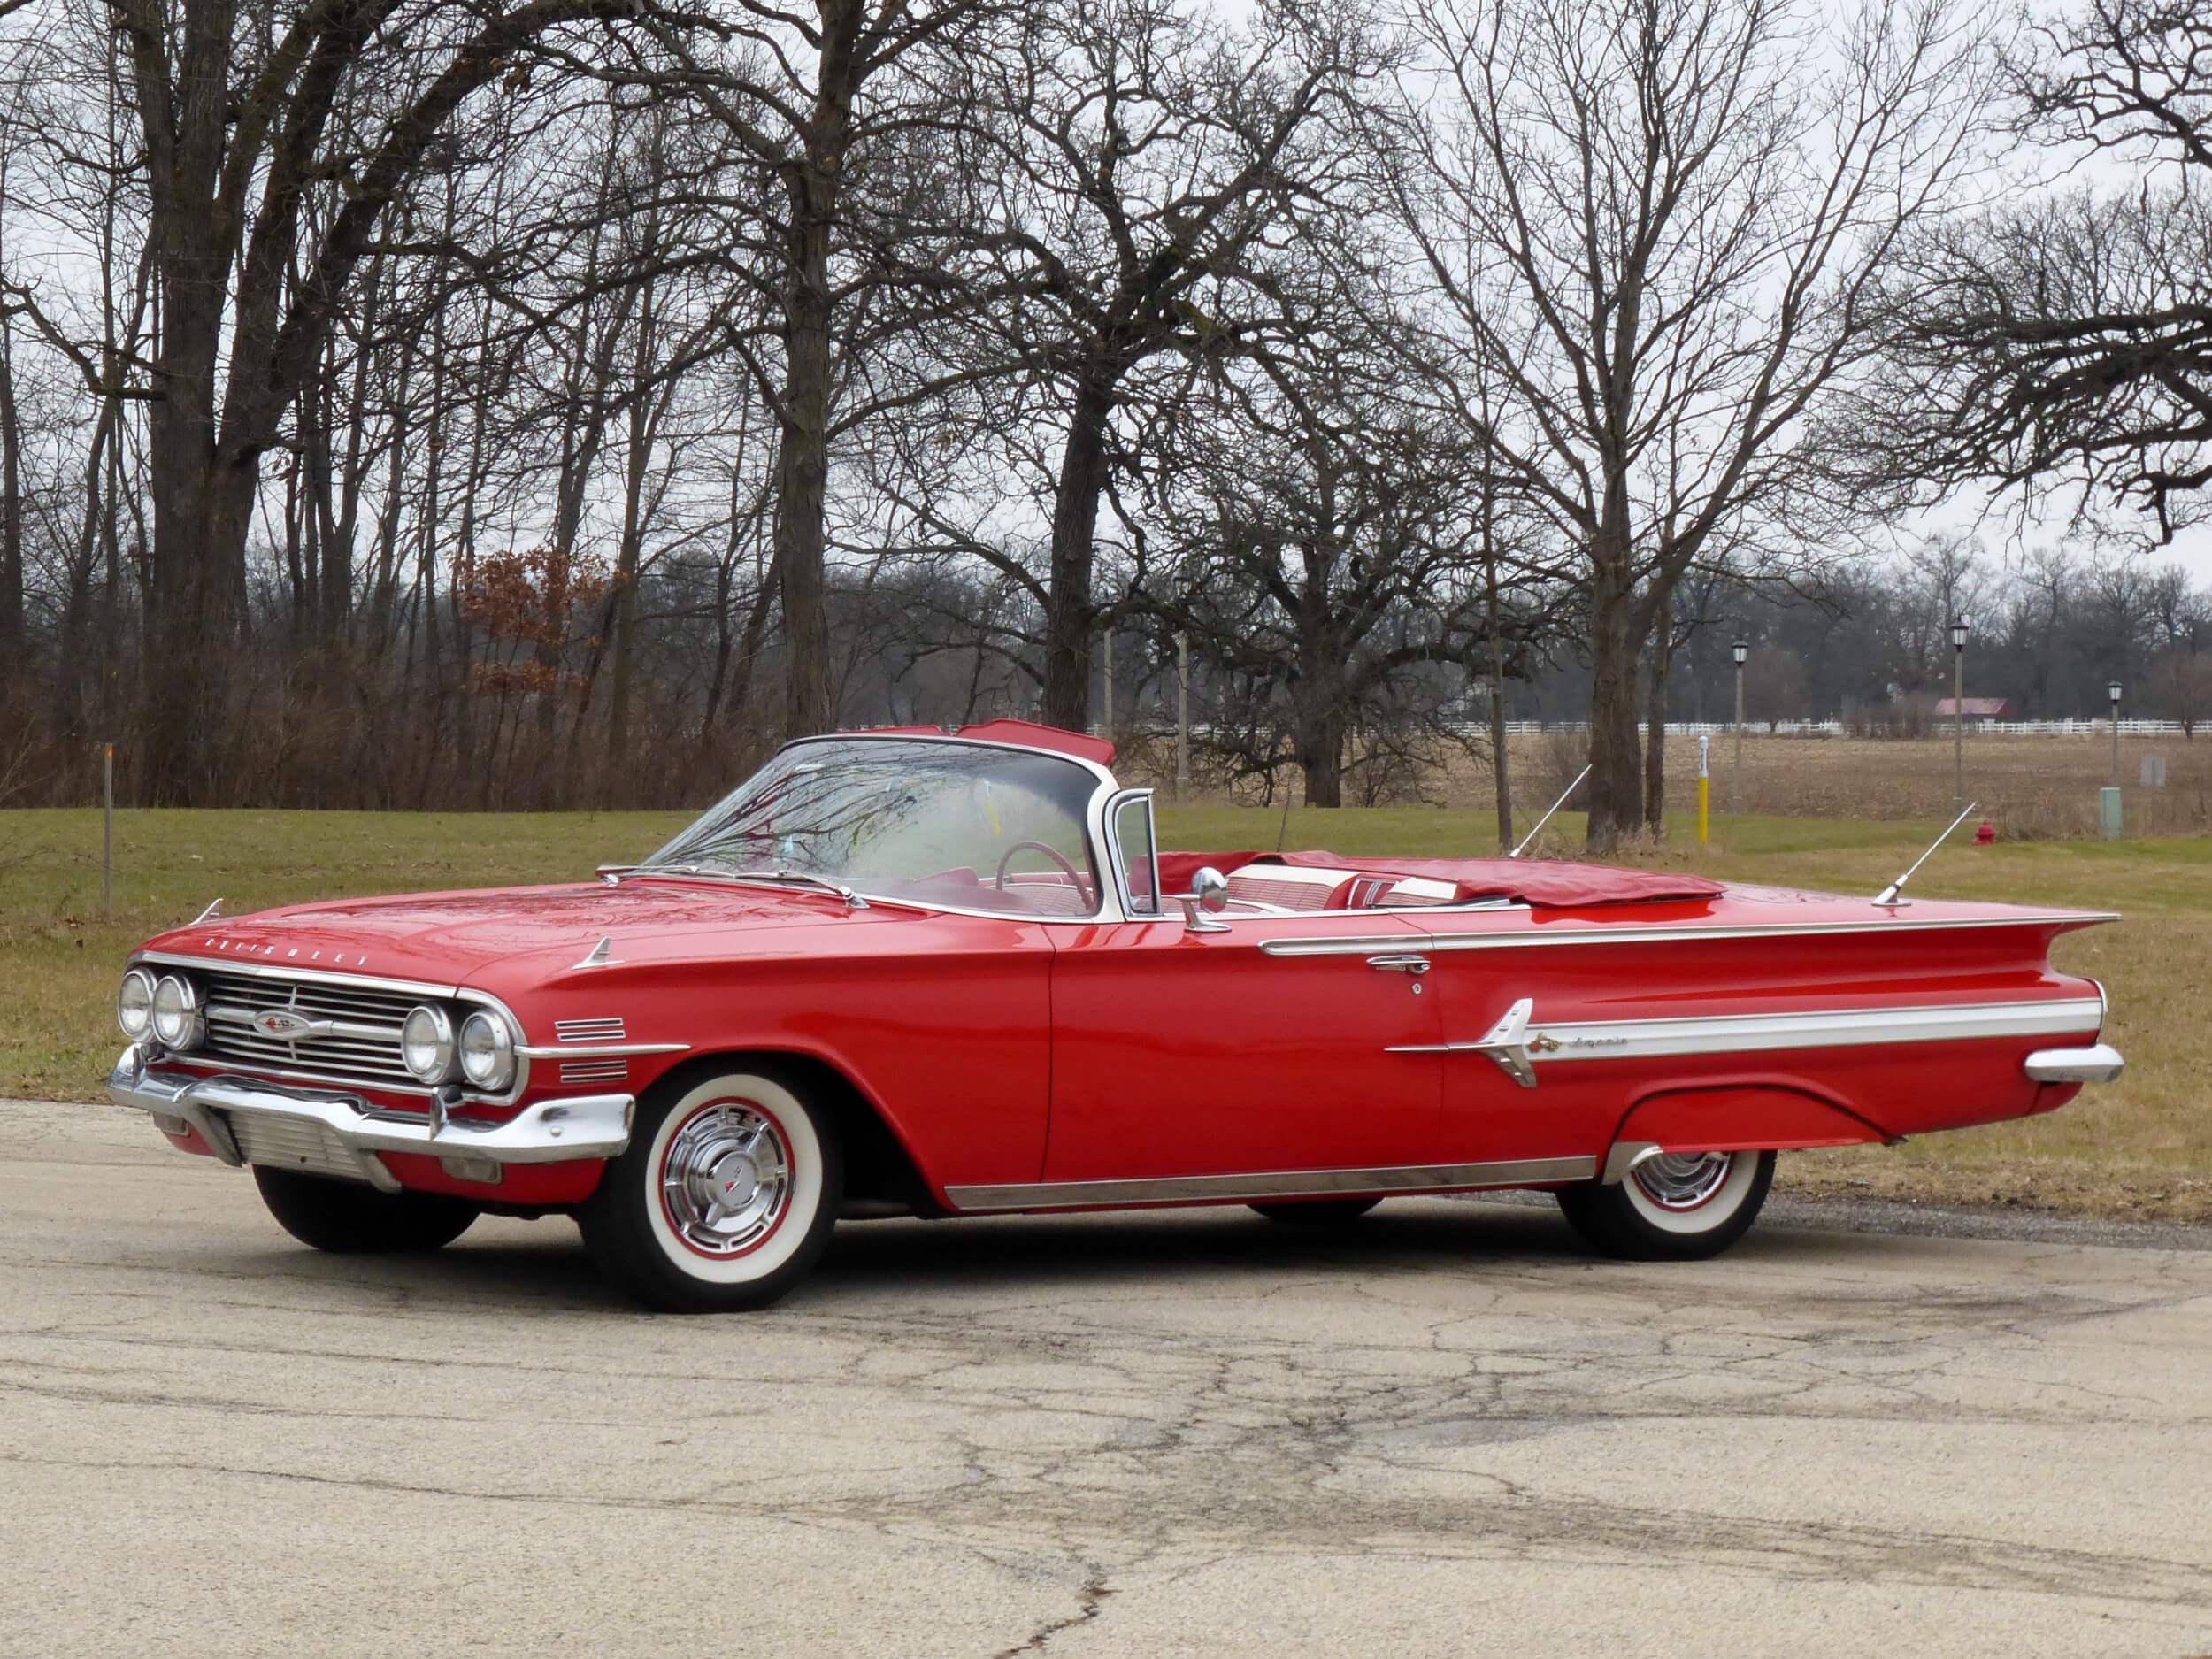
(499, 1070)
(187, 1029)
(144, 1029)
(444, 1044)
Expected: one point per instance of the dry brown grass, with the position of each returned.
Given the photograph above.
(2033, 788)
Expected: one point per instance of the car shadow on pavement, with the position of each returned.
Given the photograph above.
(1138, 1247)
(542, 1266)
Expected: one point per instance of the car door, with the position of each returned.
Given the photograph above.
(1501, 1105)
(1264, 1043)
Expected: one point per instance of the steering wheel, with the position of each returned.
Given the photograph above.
(1066, 868)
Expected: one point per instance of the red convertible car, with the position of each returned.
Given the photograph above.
(950, 973)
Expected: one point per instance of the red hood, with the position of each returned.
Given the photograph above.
(445, 938)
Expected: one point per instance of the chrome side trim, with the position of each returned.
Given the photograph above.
(1516, 1047)
(2101, 1063)
(1508, 1042)
(1231, 1189)
(596, 1050)
(1629, 933)
(545, 1132)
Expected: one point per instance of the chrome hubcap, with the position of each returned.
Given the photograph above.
(726, 1178)
(1683, 1180)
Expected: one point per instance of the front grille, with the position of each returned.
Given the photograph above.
(366, 1052)
(292, 1143)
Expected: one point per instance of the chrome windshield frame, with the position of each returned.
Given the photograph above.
(1111, 907)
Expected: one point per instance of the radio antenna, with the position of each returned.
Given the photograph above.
(1892, 895)
(1555, 805)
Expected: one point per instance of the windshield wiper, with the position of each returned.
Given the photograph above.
(777, 877)
(853, 901)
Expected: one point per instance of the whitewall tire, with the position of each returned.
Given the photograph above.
(726, 1196)
(1680, 1206)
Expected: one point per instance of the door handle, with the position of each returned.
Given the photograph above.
(1405, 961)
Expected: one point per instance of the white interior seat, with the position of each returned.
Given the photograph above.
(1288, 886)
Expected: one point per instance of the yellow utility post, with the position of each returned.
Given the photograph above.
(1704, 789)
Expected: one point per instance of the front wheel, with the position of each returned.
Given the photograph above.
(348, 1219)
(1677, 1207)
(726, 1197)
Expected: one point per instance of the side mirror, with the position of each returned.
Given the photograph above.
(1208, 894)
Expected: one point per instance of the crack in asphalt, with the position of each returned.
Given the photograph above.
(1099, 1414)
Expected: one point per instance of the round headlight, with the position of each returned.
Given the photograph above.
(134, 1004)
(425, 1043)
(176, 1020)
(487, 1051)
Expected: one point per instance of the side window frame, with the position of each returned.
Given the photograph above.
(1116, 805)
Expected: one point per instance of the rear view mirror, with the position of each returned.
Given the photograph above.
(1209, 895)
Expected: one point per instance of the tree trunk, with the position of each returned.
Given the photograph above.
(1655, 739)
(801, 489)
(1321, 729)
(1069, 613)
(1616, 806)
(199, 533)
(10, 511)
(1498, 772)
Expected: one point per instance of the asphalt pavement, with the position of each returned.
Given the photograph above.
(1442, 1431)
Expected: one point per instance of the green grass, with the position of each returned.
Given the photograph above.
(2142, 1146)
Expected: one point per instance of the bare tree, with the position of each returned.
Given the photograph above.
(235, 109)
(1154, 162)
(2067, 337)
(1662, 222)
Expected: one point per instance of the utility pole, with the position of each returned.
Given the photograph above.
(2113, 691)
(1958, 711)
(107, 829)
(1742, 651)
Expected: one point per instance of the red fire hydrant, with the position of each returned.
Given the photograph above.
(1987, 836)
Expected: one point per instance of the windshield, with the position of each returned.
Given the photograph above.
(952, 824)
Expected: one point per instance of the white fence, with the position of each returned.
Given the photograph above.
(1837, 728)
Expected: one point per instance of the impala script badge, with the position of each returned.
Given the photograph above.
(278, 1022)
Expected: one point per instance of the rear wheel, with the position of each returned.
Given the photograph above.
(1680, 1206)
(348, 1219)
(726, 1197)
(1319, 1212)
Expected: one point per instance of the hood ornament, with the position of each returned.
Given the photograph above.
(207, 915)
(601, 955)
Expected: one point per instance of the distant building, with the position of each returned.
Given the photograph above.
(1975, 708)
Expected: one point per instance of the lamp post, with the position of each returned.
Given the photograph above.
(1739, 650)
(1958, 710)
(2113, 691)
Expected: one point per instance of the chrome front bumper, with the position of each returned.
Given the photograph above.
(251, 1120)
(2099, 1065)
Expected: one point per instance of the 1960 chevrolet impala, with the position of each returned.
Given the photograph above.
(945, 975)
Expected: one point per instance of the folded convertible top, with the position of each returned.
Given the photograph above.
(1542, 883)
